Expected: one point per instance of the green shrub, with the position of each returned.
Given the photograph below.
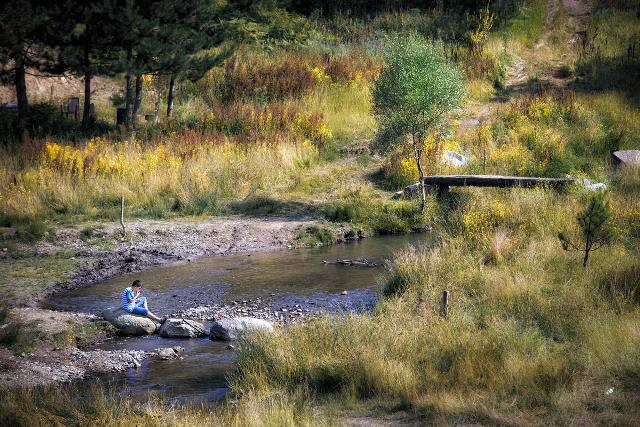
(376, 216)
(28, 229)
(315, 235)
(18, 337)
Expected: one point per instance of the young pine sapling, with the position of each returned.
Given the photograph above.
(594, 228)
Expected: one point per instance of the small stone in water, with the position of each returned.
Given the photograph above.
(344, 292)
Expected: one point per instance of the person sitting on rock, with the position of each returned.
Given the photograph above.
(135, 303)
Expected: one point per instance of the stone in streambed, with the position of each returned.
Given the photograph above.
(180, 328)
(167, 353)
(229, 329)
(127, 323)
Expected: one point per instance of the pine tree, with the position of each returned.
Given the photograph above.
(594, 230)
(25, 47)
(87, 30)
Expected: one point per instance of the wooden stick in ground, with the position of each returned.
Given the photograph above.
(445, 303)
(124, 230)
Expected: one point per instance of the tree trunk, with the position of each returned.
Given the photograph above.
(86, 112)
(156, 111)
(21, 95)
(586, 258)
(418, 155)
(172, 88)
(587, 248)
(87, 120)
(127, 101)
(137, 103)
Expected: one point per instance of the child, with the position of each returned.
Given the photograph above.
(134, 302)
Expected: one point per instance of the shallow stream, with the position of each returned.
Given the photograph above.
(280, 279)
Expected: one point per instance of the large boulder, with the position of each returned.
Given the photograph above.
(229, 329)
(454, 159)
(181, 328)
(127, 323)
(626, 157)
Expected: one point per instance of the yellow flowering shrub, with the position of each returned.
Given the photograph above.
(400, 169)
(66, 159)
(480, 220)
(311, 126)
(320, 75)
(627, 220)
(182, 172)
(510, 158)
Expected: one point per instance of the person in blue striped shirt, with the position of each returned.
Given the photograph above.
(135, 303)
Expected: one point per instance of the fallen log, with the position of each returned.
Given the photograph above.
(352, 263)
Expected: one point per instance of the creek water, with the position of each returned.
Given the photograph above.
(280, 278)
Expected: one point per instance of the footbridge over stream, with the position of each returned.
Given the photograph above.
(441, 182)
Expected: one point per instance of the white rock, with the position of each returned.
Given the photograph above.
(454, 159)
(230, 329)
(627, 157)
(127, 323)
(181, 328)
(598, 186)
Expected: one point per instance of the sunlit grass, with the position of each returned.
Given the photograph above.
(527, 323)
(191, 176)
(347, 111)
(94, 405)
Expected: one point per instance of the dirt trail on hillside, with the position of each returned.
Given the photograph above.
(537, 67)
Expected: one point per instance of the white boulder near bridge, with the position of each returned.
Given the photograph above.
(454, 159)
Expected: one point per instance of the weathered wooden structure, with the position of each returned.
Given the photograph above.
(444, 181)
(71, 108)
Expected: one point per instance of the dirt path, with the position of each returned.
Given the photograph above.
(541, 66)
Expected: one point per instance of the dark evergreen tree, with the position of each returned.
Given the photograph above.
(168, 38)
(24, 48)
(87, 31)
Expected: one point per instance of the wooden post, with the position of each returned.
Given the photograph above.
(445, 304)
(124, 230)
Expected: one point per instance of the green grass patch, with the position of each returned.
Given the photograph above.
(527, 26)
(23, 279)
(376, 216)
(315, 235)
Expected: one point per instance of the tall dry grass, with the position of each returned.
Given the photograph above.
(78, 405)
(183, 174)
(531, 336)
